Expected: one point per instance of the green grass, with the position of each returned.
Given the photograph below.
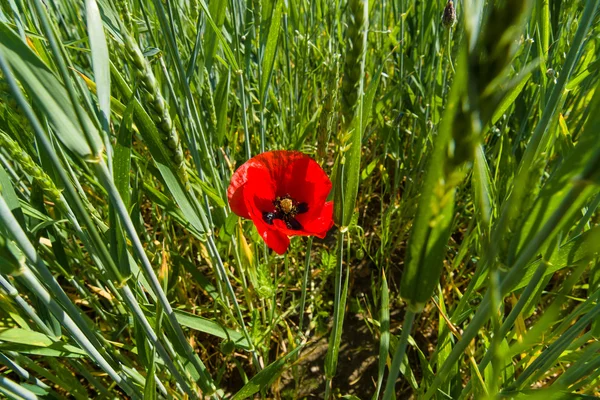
(465, 161)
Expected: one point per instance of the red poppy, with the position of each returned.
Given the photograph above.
(284, 193)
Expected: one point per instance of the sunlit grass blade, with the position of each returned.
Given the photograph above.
(270, 51)
(14, 390)
(74, 197)
(384, 338)
(100, 61)
(548, 230)
(50, 95)
(9, 224)
(541, 132)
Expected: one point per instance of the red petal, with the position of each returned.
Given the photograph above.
(298, 175)
(259, 198)
(251, 172)
(305, 180)
(276, 240)
(320, 224)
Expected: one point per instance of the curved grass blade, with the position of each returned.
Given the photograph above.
(265, 377)
(212, 328)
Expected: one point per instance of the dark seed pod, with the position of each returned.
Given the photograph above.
(449, 16)
(268, 217)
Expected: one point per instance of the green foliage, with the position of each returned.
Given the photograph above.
(461, 141)
(50, 94)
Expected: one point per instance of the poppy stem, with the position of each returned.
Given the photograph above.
(339, 307)
(305, 283)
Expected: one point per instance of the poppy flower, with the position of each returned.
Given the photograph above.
(284, 193)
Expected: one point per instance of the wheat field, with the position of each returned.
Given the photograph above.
(293, 199)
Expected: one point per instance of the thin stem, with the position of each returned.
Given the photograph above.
(22, 372)
(449, 50)
(304, 284)
(189, 97)
(14, 295)
(221, 268)
(244, 117)
(339, 306)
(62, 67)
(240, 73)
(16, 389)
(153, 339)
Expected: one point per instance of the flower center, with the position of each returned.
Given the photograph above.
(286, 205)
(286, 209)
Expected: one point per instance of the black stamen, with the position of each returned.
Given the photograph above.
(301, 208)
(286, 212)
(291, 223)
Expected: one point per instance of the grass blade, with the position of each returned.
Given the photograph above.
(47, 92)
(384, 335)
(264, 377)
(431, 228)
(100, 62)
(270, 52)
